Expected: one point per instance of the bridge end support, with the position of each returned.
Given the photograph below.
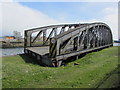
(77, 57)
(59, 63)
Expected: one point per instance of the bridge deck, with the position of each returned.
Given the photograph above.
(39, 50)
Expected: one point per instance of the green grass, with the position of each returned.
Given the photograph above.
(17, 72)
(112, 81)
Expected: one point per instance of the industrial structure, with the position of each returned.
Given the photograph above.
(51, 45)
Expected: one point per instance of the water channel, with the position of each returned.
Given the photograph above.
(15, 51)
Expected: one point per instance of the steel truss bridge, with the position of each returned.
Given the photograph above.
(51, 45)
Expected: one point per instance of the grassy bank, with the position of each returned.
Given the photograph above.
(93, 70)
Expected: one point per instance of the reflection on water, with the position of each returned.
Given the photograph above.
(15, 51)
(12, 51)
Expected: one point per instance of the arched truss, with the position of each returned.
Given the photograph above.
(81, 39)
(70, 39)
(42, 33)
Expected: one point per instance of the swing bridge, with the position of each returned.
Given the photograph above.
(51, 45)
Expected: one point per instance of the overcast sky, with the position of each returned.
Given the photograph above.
(25, 15)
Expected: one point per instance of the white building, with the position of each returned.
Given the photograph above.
(17, 35)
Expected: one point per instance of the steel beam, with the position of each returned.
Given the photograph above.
(80, 38)
(37, 36)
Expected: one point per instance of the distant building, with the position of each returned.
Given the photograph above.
(2, 39)
(9, 37)
(17, 35)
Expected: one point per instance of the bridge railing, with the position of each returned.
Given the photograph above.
(85, 37)
(69, 39)
(41, 36)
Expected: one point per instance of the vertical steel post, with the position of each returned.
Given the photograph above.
(44, 36)
(30, 39)
(62, 29)
(55, 31)
(25, 39)
(69, 28)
